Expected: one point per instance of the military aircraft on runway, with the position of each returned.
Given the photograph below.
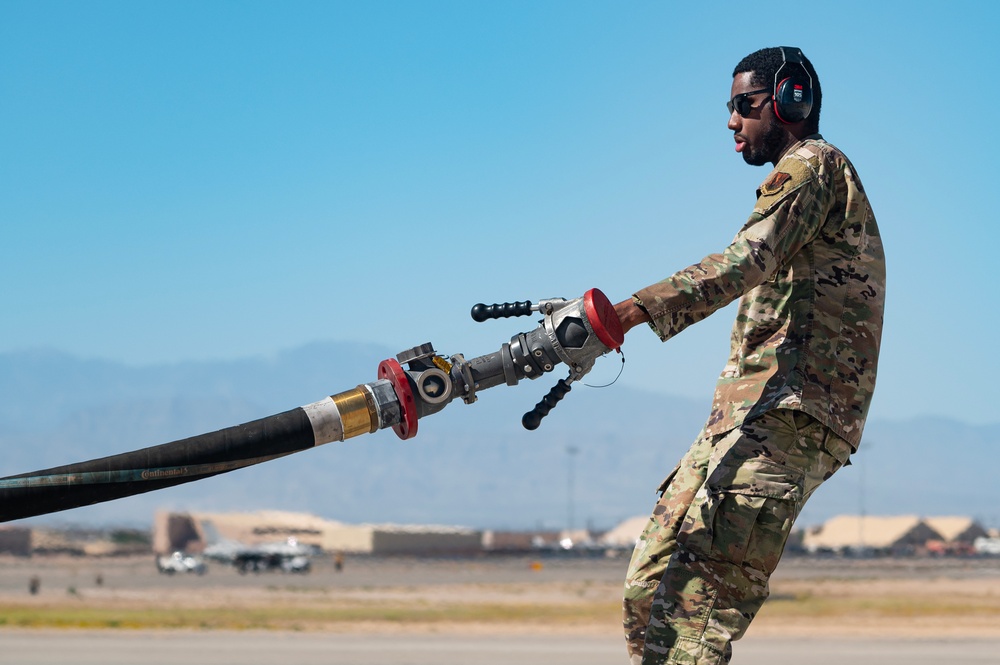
(288, 556)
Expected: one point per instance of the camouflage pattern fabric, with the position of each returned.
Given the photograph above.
(810, 271)
(789, 407)
(700, 571)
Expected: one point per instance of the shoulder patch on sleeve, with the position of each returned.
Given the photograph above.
(788, 176)
(774, 183)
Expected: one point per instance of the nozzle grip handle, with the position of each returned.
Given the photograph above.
(532, 419)
(481, 312)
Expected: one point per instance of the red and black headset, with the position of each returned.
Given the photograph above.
(793, 94)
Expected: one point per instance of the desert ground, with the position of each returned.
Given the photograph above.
(416, 610)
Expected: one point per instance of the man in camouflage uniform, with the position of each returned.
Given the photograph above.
(790, 406)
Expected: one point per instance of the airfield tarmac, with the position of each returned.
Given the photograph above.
(491, 611)
(229, 648)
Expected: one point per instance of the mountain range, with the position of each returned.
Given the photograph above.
(595, 461)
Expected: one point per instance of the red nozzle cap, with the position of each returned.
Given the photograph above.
(603, 319)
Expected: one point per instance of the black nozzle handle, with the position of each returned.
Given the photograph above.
(482, 312)
(532, 419)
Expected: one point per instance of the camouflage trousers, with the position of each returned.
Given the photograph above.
(700, 570)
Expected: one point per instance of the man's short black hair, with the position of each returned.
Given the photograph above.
(765, 63)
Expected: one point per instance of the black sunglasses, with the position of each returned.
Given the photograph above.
(741, 102)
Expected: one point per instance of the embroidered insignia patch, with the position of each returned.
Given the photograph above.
(775, 183)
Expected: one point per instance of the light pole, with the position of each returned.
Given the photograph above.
(571, 452)
(861, 501)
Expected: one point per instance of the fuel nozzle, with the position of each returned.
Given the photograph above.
(575, 332)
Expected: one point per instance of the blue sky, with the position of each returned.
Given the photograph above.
(215, 180)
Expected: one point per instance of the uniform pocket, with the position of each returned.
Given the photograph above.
(839, 449)
(666, 481)
(749, 513)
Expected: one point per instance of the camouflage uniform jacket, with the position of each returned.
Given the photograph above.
(810, 271)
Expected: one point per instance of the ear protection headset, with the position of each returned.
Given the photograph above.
(793, 94)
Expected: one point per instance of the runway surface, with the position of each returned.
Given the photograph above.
(929, 637)
(258, 648)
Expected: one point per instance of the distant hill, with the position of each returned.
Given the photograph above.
(471, 464)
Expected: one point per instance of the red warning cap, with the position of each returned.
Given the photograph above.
(603, 319)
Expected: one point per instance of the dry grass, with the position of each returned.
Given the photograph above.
(941, 607)
(294, 617)
(285, 616)
(938, 602)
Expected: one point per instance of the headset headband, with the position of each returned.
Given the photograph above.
(792, 54)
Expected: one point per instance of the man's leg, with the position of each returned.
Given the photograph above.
(729, 542)
(658, 541)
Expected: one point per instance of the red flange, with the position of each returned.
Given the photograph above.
(391, 369)
(603, 319)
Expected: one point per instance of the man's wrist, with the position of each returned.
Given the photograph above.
(631, 314)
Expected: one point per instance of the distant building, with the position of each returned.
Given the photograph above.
(176, 532)
(520, 541)
(890, 535)
(428, 539)
(82, 541)
(957, 529)
(626, 534)
(194, 531)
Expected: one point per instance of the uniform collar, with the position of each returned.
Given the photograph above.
(795, 146)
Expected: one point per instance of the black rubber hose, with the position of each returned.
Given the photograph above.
(165, 465)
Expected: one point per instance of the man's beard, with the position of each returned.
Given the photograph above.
(771, 143)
